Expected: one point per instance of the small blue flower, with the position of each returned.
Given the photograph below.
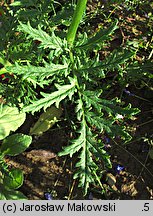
(128, 92)
(119, 168)
(48, 196)
(107, 140)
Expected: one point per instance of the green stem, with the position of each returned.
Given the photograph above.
(4, 63)
(80, 8)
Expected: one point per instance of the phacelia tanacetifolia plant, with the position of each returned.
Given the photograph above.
(71, 73)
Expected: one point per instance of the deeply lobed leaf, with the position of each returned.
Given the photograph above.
(99, 37)
(34, 71)
(55, 97)
(47, 41)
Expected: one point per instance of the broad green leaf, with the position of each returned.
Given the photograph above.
(14, 179)
(100, 36)
(10, 120)
(46, 120)
(47, 41)
(55, 97)
(7, 194)
(15, 144)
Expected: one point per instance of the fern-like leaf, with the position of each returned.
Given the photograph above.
(92, 111)
(31, 71)
(89, 151)
(85, 164)
(99, 37)
(107, 126)
(113, 61)
(76, 144)
(47, 41)
(91, 98)
(55, 97)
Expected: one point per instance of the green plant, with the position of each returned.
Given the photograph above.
(11, 179)
(70, 69)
